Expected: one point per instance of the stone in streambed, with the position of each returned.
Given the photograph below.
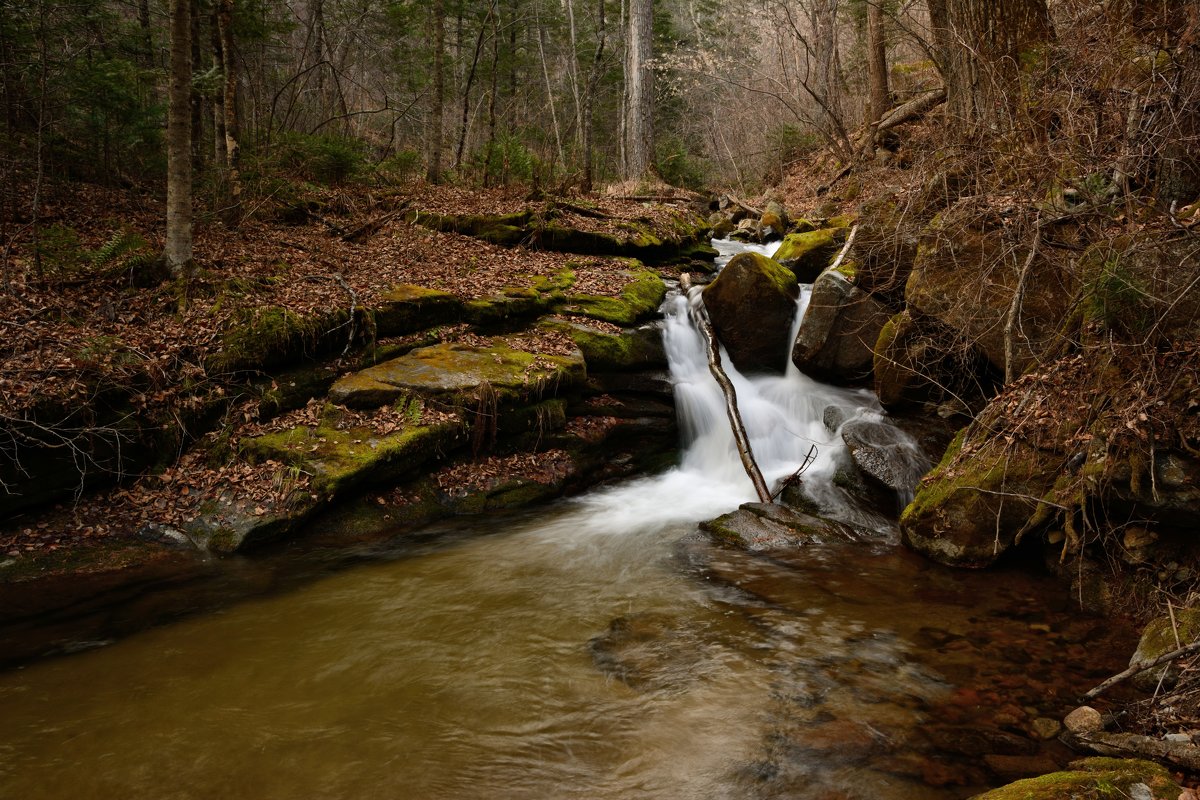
(752, 304)
(884, 454)
(1093, 778)
(768, 526)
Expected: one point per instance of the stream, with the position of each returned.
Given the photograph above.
(595, 648)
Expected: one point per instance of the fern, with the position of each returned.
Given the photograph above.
(120, 244)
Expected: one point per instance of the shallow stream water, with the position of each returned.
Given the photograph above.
(597, 648)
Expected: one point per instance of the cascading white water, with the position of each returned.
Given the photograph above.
(784, 417)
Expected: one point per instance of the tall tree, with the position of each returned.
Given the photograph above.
(639, 89)
(177, 251)
(437, 105)
(229, 96)
(982, 45)
(877, 70)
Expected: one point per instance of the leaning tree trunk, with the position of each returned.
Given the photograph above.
(178, 248)
(877, 71)
(639, 90)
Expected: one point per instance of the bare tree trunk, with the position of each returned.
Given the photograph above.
(639, 90)
(144, 25)
(462, 134)
(220, 160)
(178, 248)
(229, 93)
(981, 46)
(877, 69)
(572, 65)
(438, 101)
(589, 102)
(541, 34)
(491, 140)
(198, 150)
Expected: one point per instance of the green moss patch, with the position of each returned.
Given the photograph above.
(408, 308)
(272, 336)
(808, 254)
(639, 299)
(457, 373)
(1092, 779)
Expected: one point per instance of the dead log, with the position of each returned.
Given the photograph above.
(910, 110)
(373, 226)
(1184, 755)
(1142, 666)
(700, 315)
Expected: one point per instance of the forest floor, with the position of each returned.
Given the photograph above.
(76, 322)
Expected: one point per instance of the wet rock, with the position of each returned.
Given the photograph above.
(837, 335)
(768, 526)
(885, 454)
(1045, 728)
(1084, 719)
(640, 298)
(631, 349)
(752, 304)
(774, 222)
(653, 383)
(647, 650)
(978, 741)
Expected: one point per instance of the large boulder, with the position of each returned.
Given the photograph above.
(885, 454)
(1066, 444)
(767, 526)
(837, 335)
(752, 304)
(917, 360)
(966, 271)
(808, 254)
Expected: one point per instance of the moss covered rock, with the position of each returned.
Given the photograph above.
(839, 330)
(808, 254)
(458, 373)
(640, 298)
(270, 336)
(752, 304)
(965, 273)
(1093, 779)
(407, 308)
(1159, 637)
(629, 350)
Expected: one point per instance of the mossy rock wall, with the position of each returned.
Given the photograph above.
(270, 337)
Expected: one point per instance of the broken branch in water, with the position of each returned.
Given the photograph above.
(700, 315)
(1142, 666)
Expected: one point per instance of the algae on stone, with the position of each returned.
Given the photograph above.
(1092, 779)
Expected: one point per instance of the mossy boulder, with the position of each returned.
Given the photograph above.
(1138, 287)
(271, 336)
(768, 526)
(1093, 779)
(773, 223)
(808, 254)
(752, 304)
(640, 298)
(511, 305)
(965, 273)
(501, 229)
(459, 373)
(1159, 637)
(837, 335)
(341, 458)
(629, 350)
(919, 361)
(407, 308)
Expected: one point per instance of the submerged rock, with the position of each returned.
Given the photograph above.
(752, 304)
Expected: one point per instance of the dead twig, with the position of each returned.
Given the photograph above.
(1141, 666)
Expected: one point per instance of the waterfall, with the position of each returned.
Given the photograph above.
(784, 417)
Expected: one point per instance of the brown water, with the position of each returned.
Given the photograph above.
(492, 667)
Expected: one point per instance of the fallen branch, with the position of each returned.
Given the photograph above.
(841, 256)
(910, 110)
(1142, 666)
(740, 202)
(372, 227)
(1131, 745)
(700, 315)
(352, 322)
(1014, 309)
